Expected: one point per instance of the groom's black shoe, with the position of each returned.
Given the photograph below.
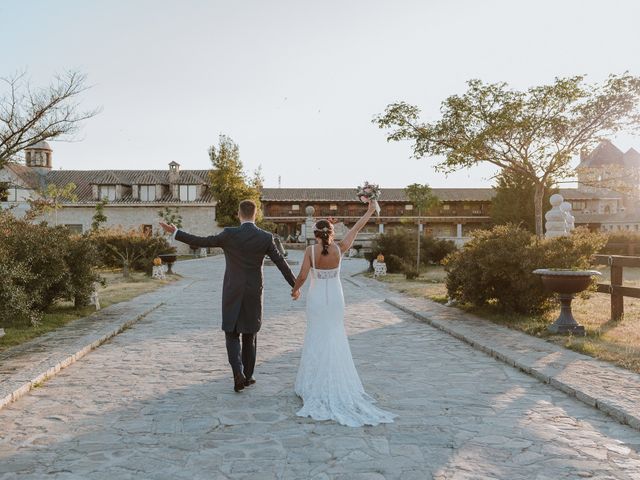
(249, 381)
(238, 381)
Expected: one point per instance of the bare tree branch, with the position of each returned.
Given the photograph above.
(29, 116)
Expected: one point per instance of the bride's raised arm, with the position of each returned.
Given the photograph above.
(350, 237)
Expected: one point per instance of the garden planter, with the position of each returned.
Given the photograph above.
(566, 283)
(169, 259)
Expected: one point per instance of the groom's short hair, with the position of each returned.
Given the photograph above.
(247, 208)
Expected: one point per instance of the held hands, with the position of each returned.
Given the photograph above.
(168, 228)
(295, 294)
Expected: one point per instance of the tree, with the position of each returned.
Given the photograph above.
(422, 199)
(29, 115)
(99, 217)
(534, 133)
(171, 216)
(51, 199)
(512, 202)
(257, 181)
(229, 183)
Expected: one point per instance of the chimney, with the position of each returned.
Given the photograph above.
(174, 172)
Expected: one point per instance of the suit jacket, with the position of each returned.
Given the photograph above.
(244, 249)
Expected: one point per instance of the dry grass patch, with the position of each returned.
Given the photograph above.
(116, 290)
(616, 342)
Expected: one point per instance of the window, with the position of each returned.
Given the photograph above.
(295, 207)
(408, 207)
(578, 205)
(446, 207)
(12, 194)
(74, 227)
(147, 193)
(107, 192)
(188, 193)
(333, 207)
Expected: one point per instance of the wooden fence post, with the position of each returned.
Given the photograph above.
(617, 300)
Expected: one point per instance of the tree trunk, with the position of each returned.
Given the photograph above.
(538, 199)
(418, 256)
(125, 269)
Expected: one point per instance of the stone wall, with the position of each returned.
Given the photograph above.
(196, 219)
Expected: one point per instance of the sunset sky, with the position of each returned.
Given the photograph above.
(296, 83)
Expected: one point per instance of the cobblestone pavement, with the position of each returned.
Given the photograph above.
(157, 402)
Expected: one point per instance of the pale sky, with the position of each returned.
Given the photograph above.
(296, 83)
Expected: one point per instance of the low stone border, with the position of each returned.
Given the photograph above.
(26, 370)
(604, 386)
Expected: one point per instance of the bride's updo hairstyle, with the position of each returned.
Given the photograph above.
(323, 231)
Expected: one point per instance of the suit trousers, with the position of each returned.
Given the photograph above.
(242, 359)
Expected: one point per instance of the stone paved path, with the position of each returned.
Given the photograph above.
(156, 402)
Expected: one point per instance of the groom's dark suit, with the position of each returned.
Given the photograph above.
(244, 249)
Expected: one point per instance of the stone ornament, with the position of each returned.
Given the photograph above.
(559, 220)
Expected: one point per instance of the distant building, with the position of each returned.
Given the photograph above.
(134, 196)
(607, 171)
(461, 210)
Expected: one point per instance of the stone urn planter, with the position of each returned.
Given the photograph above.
(566, 283)
(169, 259)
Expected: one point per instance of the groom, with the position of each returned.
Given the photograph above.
(244, 249)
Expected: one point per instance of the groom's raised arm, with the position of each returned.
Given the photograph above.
(204, 242)
(277, 258)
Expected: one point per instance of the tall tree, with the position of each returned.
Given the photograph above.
(534, 133)
(422, 198)
(229, 183)
(512, 202)
(29, 115)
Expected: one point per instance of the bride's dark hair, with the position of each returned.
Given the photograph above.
(323, 230)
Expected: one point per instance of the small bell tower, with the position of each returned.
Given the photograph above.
(39, 157)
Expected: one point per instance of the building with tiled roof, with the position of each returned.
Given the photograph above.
(134, 197)
(461, 210)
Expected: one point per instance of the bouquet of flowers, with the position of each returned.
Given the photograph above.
(371, 192)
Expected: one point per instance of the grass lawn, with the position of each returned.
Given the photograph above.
(616, 342)
(117, 290)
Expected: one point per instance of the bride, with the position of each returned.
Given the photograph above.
(327, 380)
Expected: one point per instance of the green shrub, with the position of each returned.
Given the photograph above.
(18, 308)
(394, 263)
(622, 243)
(435, 250)
(129, 249)
(495, 267)
(82, 258)
(411, 273)
(404, 244)
(40, 265)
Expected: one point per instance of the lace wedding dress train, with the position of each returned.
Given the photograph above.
(327, 380)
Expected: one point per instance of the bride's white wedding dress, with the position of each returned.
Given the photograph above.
(327, 380)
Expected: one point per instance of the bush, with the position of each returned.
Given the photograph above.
(404, 245)
(17, 305)
(399, 243)
(394, 263)
(411, 273)
(622, 243)
(40, 265)
(435, 250)
(129, 249)
(495, 267)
